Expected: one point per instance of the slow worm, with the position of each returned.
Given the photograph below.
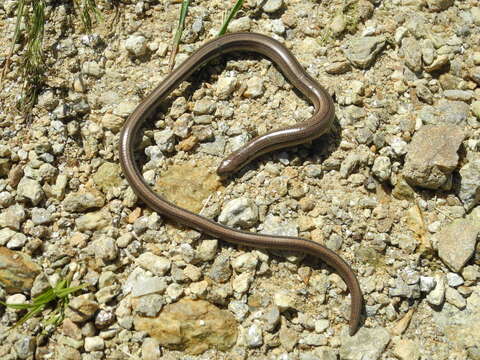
(300, 133)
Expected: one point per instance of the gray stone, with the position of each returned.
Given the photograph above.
(104, 248)
(151, 349)
(284, 300)
(456, 243)
(255, 87)
(436, 297)
(225, 86)
(165, 139)
(149, 305)
(94, 343)
(382, 168)
(92, 221)
(270, 6)
(91, 68)
(245, 262)
(361, 52)
(17, 241)
(254, 336)
(469, 189)
(136, 45)
(453, 297)
(367, 343)
(145, 285)
(81, 308)
(461, 327)
(239, 309)
(432, 155)
(25, 346)
(207, 250)
(271, 317)
(241, 212)
(221, 270)
(461, 95)
(275, 225)
(41, 216)
(158, 265)
(31, 190)
(454, 280)
(204, 106)
(427, 283)
(413, 54)
(83, 200)
(13, 217)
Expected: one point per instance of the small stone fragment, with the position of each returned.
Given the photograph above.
(17, 271)
(136, 45)
(432, 155)
(367, 343)
(456, 243)
(31, 190)
(361, 52)
(241, 212)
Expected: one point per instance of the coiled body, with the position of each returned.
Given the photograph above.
(317, 125)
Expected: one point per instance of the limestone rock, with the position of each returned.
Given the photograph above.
(456, 243)
(432, 155)
(193, 326)
(17, 271)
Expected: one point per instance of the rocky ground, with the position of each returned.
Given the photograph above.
(394, 188)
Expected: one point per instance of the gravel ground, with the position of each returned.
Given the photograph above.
(394, 187)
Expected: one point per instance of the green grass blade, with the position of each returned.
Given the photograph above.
(179, 32)
(18, 306)
(64, 292)
(29, 315)
(238, 5)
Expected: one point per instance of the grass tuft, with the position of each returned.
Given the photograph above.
(31, 14)
(178, 33)
(58, 295)
(238, 5)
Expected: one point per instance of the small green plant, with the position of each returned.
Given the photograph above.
(178, 33)
(238, 5)
(59, 296)
(31, 14)
(181, 24)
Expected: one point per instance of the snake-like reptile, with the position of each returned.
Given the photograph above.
(300, 133)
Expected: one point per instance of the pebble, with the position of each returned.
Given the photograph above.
(207, 250)
(453, 297)
(94, 343)
(241, 283)
(105, 248)
(254, 336)
(476, 109)
(436, 297)
(427, 283)
(412, 53)
(367, 343)
(83, 200)
(382, 168)
(17, 271)
(255, 87)
(456, 243)
(225, 86)
(241, 212)
(361, 52)
(454, 280)
(439, 5)
(284, 300)
(136, 45)
(25, 346)
(432, 155)
(151, 349)
(270, 6)
(243, 23)
(461, 95)
(92, 221)
(158, 265)
(81, 308)
(31, 190)
(221, 269)
(469, 188)
(204, 107)
(245, 262)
